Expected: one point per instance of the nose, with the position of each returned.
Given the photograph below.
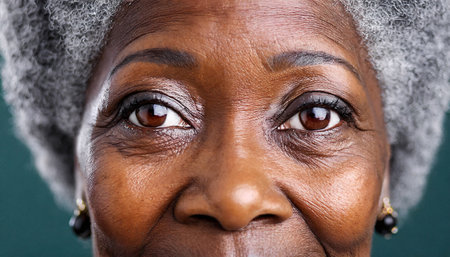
(233, 197)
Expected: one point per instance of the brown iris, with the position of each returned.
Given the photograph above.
(315, 118)
(151, 115)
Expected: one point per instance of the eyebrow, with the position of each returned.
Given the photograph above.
(167, 56)
(308, 58)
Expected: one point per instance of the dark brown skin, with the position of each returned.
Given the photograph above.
(252, 128)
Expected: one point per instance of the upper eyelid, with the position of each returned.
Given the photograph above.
(320, 81)
(327, 95)
(152, 97)
(178, 90)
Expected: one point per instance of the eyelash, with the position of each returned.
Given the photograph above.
(128, 106)
(344, 110)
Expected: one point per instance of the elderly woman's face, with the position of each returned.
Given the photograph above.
(233, 128)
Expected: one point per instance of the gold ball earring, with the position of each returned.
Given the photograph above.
(386, 224)
(80, 221)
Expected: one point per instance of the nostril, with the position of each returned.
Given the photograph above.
(203, 217)
(200, 218)
(267, 218)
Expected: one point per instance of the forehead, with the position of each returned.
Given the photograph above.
(228, 20)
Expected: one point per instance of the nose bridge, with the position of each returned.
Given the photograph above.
(233, 186)
(236, 166)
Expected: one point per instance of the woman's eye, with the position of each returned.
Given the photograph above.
(314, 118)
(156, 116)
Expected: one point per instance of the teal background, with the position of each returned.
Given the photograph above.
(32, 225)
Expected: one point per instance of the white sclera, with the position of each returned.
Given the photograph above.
(295, 123)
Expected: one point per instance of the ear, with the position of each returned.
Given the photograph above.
(385, 190)
(80, 182)
(385, 187)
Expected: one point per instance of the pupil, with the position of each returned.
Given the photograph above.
(315, 118)
(151, 115)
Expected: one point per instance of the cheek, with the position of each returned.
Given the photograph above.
(339, 196)
(127, 195)
(346, 206)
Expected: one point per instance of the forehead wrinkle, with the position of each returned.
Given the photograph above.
(150, 16)
(327, 19)
(300, 21)
(147, 17)
(166, 56)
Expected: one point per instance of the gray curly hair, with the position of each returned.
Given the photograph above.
(50, 47)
